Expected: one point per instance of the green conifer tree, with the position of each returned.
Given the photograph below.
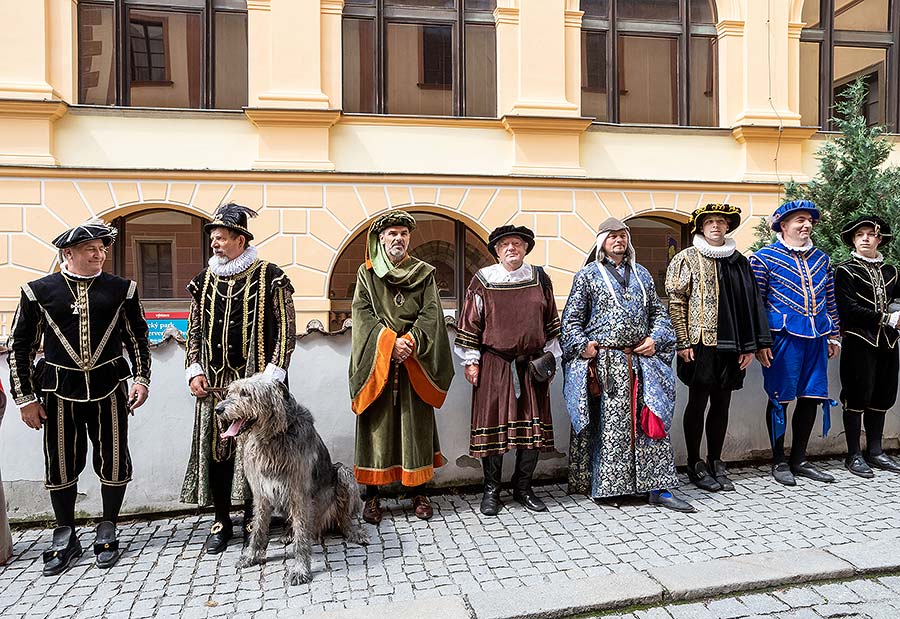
(853, 179)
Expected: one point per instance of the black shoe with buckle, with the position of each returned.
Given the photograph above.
(717, 469)
(219, 536)
(884, 462)
(63, 551)
(699, 475)
(808, 470)
(782, 474)
(106, 546)
(856, 465)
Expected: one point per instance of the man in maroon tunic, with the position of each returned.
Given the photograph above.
(509, 319)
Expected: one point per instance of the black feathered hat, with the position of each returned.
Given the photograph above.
(234, 217)
(92, 230)
(504, 231)
(882, 228)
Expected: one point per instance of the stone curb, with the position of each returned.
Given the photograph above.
(660, 584)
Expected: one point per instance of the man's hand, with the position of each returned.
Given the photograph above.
(199, 385)
(472, 371)
(764, 356)
(34, 415)
(833, 350)
(137, 396)
(403, 348)
(745, 360)
(687, 355)
(646, 348)
(590, 351)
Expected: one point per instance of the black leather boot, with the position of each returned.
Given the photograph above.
(63, 551)
(493, 468)
(717, 469)
(526, 462)
(106, 546)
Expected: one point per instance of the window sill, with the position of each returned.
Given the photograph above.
(408, 120)
(607, 127)
(152, 112)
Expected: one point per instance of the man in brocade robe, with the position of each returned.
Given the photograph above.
(400, 366)
(509, 320)
(241, 322)
(619, 387)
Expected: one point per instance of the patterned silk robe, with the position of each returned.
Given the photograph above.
(608, 455)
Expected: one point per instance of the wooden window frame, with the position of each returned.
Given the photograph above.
(682, 30)
(829, 39)
(163, 22)
(138, 245)
(123, 45)
(382, 15)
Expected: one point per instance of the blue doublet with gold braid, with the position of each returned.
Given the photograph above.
(797, 287)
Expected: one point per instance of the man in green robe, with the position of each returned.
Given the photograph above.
(400, 366)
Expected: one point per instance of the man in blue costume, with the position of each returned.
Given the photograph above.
(796, 282)
(618, 347)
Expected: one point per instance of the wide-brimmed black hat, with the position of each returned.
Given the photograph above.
(732, 215)
(504, 231)
(882, 228)
(234, 217)
(91, 230)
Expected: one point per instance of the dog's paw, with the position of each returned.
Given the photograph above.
(299, 576)
(359, 537)
(248, 561)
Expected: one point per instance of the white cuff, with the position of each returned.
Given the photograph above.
(835, 342)
(273, 371)
(469, 356)
(893, 319)
(192, 371)
(553, 346)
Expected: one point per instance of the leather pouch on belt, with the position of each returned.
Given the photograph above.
(543, 368)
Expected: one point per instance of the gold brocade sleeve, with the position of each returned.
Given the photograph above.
(678, 288)
(285, 325)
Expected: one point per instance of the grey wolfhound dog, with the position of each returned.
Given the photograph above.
(288, 468)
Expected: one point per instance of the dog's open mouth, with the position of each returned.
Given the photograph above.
(237, 427)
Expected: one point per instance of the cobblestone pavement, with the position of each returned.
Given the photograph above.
(877, 598)
(165, 573)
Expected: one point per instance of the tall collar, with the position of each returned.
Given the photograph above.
(233, 267)
(497, 273)
(711, 251)
(878, 259)
(802, 248)
(71, 275)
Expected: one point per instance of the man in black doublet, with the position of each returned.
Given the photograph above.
(78, 391)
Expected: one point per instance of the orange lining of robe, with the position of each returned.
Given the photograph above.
(378, 377)
(429, 392)
(382, 477)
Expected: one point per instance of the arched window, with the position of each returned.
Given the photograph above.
(163, 53)
(649, 61)
(162, 250)
(842, 41)
(449, 246)
(656, 241)
(422, 57)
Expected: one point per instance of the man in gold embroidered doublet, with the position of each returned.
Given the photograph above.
(241, 322)
(77, 392)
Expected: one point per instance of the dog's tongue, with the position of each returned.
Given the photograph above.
(233, 429)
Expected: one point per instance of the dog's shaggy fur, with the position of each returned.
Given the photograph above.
(289, 469)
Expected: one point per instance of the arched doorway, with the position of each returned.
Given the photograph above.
(448, 245)
(656, 241)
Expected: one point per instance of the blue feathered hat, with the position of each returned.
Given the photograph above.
(790, 207)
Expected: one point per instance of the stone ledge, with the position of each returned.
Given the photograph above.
(866, 557)
(451, 607)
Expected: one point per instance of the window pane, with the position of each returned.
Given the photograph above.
(647, 80)
(363, 2)
(164, 250)
(704, 11)
(359, 65)
(809, 83)
(660, 10)
(96, 55)
(480, 5)
(594, 101)
(173, 78)
(812, 13)
(853, 62)
(869, 15)
(431, 4)
(655, 242)
(434, 242)
(481, 71)
(477, 256)
(231, 60)
(703, 86)
(234, 5)
(419, 69)
(595, 8)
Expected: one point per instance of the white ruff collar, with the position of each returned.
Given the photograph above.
(806, 247)
(711, 251)
(233, 267)
(68, 273)
(876, 260)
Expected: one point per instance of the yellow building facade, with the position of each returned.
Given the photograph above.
(322, 114)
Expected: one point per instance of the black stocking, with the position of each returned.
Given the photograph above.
(63, 502)
(874, 421)
(112, 501)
